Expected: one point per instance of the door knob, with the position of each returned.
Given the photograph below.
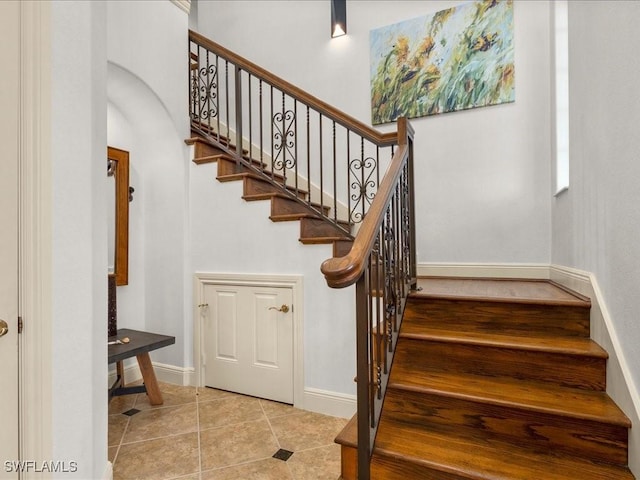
(4, 328)
(284, 308)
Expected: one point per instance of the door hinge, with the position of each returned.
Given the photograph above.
(20, 324)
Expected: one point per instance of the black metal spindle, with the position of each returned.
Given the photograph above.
(261, 118)
(295, 143)
(335, 187)
(250, 98)
(271, 122)
(321, 165)
(363, 186)
(238, 108)
(309, 156)
(363, 295)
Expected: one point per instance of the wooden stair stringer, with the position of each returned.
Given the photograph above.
(315, 225)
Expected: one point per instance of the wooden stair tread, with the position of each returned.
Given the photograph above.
(321, 240)
(568, 345)
(543, 398)
(285, 217)
(230, 177)
(499, 290)
(208, 159)
(348, 436)
(481, 459)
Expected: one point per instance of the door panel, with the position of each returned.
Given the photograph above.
(265, 326)
(226, 332)
(248, 340)
(9, 135)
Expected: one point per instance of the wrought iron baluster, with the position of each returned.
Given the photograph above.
(378, 327)
(250, 98)
(309, 157)
(363, 188)
(295, 140)
(260, 100)
(363, 353)
(217, 87)
(271, 123)
(226, 88)
(335, 196)
(238, 108)
(321, 193)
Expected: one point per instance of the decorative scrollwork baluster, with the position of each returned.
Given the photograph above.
(363, 186)
(284, 137)
(207, 91)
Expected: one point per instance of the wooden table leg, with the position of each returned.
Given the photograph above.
(149, 378)
(120, 373)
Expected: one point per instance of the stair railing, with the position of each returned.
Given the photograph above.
(329, 161)
(382, 264)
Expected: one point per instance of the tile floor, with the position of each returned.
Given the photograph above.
(207, 434)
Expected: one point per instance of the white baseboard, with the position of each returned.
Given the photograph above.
(108, 472)
(620, 385)
(131, 374)
(484, 270)
(329, 403)
(184, 376)
(314, 400)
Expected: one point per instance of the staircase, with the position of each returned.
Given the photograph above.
(465, 379)
(496, 379)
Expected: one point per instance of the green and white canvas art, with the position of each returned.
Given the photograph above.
(455, 59)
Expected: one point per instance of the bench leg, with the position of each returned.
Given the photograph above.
(149, 378)
(120, 373)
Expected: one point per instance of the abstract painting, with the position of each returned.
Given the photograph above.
(451, 60)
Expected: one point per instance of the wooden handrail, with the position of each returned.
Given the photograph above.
(380, 139)
(341, 272)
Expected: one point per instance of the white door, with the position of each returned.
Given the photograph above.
(9, 124)
(248, 340)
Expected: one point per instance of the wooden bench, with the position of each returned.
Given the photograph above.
(139, 346)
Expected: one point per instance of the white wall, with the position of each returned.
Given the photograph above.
(147, 116)
(596, 223)
(482, 175)
(231, 235)
(79, 247)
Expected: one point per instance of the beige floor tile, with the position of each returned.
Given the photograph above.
(172, 395)
(161, 422)
(236, 438)
(277, 409)
(306, 430)
(238, 443)
(205, 394)
(268, 469)
(158, 459)
(229, 410)
(121, 404)
(111, 453)
(316, 464)
(117, 426)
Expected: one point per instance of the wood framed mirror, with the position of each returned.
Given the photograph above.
(118, 169)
